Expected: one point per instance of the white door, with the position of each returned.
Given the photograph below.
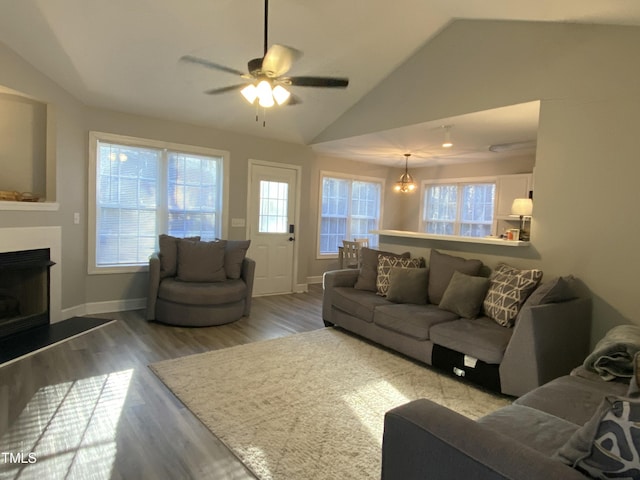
(272, 201)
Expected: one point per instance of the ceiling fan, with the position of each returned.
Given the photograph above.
(267, 83)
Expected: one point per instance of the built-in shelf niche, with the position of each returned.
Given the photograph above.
(27, 149)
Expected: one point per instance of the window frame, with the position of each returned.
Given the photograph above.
(353, 178)
(95, 138)
(459, 182)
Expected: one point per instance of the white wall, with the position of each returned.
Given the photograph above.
(587, 167)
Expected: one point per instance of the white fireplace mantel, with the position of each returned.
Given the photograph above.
(30, 238)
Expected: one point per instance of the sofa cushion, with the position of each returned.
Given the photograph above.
(358, 303)
(508, 290)
(408, 285)
(441, 268)
(571, 397)
(414, 321)
(168, 254)
(534, 428)
(608, 445)
(201, 261)
(202, 293)
(234, 253)
(369, 268)
(556, 290)
(464, 295)
(386, 263)
(481, 338)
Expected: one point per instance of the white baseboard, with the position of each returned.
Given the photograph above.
(316, 279)
(104, 307)
(301, 288)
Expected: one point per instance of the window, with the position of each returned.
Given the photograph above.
(350, 209)
(458, 208)
(140, 188)
(273, 215)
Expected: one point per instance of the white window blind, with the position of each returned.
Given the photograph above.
(142, 191)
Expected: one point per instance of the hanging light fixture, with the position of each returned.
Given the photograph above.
(266, 95)
(406, 183)
(447, 136)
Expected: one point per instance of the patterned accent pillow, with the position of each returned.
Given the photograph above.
(508, 290)
(386, 263)
(608, 445)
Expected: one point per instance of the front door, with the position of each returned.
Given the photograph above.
(272, 201)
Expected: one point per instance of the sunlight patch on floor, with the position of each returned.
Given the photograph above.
(71, 429)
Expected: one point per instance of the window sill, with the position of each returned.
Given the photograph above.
(453, 238)
(30, 206)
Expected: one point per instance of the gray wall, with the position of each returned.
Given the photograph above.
(587, 164)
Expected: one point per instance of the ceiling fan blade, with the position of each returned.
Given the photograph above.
(293, 100)
(279, 59)
(326, 82)
(209, 64)
(216, 91)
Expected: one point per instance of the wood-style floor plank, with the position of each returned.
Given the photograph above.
(91, 407)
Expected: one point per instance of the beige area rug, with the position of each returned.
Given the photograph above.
(311, 405)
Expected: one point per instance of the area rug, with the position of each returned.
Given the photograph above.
(309, 405)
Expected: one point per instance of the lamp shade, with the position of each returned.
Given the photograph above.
(522, 207)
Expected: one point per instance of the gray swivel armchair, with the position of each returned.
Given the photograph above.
(198, 284)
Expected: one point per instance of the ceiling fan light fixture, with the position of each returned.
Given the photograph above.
(265, 95)
(250, 93)
(281, 94)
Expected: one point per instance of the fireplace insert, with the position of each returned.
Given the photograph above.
(24, 290)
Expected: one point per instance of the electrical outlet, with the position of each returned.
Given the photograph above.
(76, 218)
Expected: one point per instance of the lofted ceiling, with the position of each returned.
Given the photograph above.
(124, 55)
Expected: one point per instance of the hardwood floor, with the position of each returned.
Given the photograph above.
(90, 407)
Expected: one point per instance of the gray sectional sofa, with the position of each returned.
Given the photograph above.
(575, 427)
(549, 338)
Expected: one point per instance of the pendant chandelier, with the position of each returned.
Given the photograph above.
(405, 184)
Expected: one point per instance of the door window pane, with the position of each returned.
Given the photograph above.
(274, 205)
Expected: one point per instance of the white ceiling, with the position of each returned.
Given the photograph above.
(123, 54)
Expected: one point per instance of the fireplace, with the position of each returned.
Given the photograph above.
(24, 290)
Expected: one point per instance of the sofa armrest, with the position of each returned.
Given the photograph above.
(154, 285)
(548, 341)
(247, 273)
(331, 280)
(425, 440)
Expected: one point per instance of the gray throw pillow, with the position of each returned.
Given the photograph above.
(234, 254)
(607, 446)
(408, 285)
(441, 268)
(508, 290)
(386, 263)
(201, 261)
(555, 290)
(168, 254)
(369, 268)
(464, 295)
